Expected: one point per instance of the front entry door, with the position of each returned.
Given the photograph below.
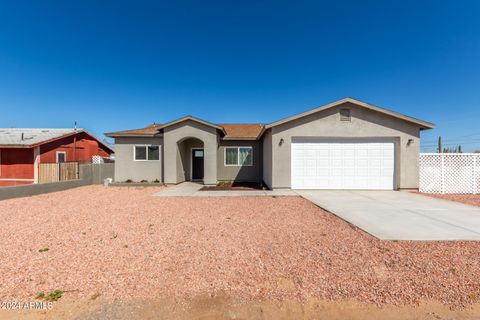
(197, 164)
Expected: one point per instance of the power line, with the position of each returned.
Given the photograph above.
(468, 135)
(451, 142)
(458, 139)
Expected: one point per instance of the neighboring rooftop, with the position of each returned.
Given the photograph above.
(32, 136)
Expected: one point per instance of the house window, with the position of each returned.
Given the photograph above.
(144, 153)
(238, 156)
(61, 156)
(345, 115)
(153, 152)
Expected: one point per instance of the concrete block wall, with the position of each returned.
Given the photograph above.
(89, 174)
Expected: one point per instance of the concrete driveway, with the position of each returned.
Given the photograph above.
(393, 215)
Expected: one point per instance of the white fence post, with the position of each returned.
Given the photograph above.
(474, 175)
(443, 172)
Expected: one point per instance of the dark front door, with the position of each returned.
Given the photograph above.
(197, 164)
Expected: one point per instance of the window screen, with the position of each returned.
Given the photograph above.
(245, 156)
(153, 153)
(140, 153)
(231, 156)
(238, 156)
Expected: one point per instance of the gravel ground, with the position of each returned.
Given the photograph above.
(471, 199)
(122, 242)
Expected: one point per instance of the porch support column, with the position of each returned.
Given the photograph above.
(170, 151)
(210, 161)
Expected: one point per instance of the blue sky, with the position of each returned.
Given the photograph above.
(114, 65)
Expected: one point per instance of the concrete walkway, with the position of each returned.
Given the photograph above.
(191, 189)
(184, 189)
(393, 215)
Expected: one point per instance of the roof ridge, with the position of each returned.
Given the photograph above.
(238, 123)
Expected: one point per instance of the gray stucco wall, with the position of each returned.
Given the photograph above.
(240, 173)
(267, 158)
(127, 168)
(174, 135)
(364, 124)
(102, 171)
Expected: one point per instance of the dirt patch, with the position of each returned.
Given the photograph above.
(224, 307)
(228, 186)
(124, 243)
(471, 199)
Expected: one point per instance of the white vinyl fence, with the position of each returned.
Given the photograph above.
(450, 173)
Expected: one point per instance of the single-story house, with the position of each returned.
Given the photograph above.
(347, 144)
(22, 149)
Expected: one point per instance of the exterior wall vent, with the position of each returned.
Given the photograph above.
(345, 115)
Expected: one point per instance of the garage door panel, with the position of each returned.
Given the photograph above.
(323, 163)
(362, 153)
(323, 153)
(387, 153)
(338, 164)
(362, 163)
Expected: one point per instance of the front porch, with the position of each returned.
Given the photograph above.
(190, 153)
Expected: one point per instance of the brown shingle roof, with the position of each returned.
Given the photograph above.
(147, 131)
(242, 130)
(249, 131)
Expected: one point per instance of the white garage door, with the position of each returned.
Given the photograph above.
(343, 164)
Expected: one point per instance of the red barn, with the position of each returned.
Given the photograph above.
(22, 149)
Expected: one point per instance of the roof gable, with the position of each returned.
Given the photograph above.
(421, 123)
(192, 118)
(242, 131)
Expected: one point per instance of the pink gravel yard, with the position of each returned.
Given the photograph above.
(471, 199)
(123, 242)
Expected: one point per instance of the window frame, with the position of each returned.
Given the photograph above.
(60, 152)
(238, 156)
(146, 152)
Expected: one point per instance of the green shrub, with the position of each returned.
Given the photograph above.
(54, 295)
(40, 295)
